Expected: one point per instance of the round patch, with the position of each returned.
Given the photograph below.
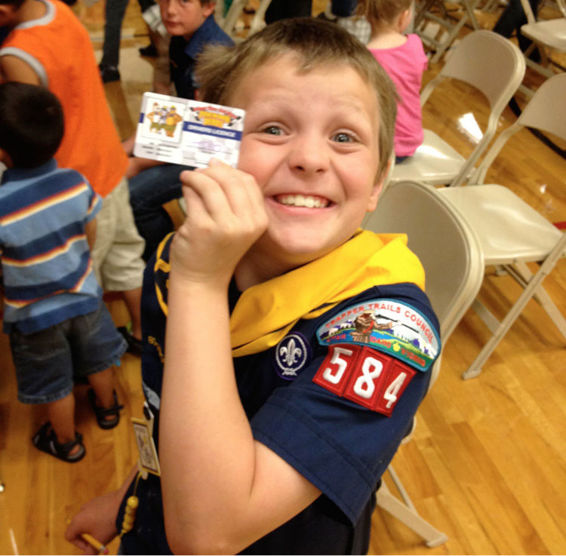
(292, 353)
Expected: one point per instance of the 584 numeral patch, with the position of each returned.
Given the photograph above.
(365, 376)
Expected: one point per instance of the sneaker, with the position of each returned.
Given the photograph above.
(109, 73)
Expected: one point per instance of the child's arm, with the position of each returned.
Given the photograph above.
(15, 69)
(98, 517)
(90, 232)
(222, 490)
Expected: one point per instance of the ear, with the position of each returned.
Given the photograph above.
(208, 8)
(6, 12)
(5, 158)
(404, 20)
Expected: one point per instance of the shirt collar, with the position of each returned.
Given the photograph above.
(201, 37)
(13, 174)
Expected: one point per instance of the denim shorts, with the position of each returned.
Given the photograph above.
(47, 361)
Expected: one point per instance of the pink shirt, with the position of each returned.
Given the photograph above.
(405, 65)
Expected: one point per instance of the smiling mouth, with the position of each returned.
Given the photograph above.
(308, 201)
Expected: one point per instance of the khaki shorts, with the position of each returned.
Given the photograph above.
(117, 253)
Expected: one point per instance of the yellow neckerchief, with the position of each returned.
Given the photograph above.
(265, 312)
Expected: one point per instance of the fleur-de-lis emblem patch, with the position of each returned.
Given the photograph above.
(292, 353)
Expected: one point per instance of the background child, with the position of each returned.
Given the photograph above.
(54, 313)
(403, 58)
(273, 424)
(192, 26)
(47, 45)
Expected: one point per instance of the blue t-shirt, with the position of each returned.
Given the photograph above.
(47, 269)
(183, 55)
(317, 401)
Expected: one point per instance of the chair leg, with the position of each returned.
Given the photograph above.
(233, 15)
(259, 18)
(523, 275)
(452, 34)
(405, 512)
(529, 291)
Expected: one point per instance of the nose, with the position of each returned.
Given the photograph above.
(309, 153)
(167, 7)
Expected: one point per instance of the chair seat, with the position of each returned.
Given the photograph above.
(509, 230)
(551, 32)
(435, 162)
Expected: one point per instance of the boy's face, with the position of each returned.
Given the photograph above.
(184, 17)
(311, 142)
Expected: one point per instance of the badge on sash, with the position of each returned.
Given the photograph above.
(148, 461)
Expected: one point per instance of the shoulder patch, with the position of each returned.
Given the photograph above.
(292, 353)
(365, 376)
(386, 325)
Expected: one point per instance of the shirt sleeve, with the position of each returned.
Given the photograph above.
(340, 446)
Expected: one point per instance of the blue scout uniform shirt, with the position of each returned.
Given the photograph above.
(183, 55)
(333, 440)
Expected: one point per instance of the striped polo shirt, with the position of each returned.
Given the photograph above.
(46, 265)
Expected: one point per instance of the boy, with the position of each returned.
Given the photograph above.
(54, 313)
(192, 26)
(47, 45)
(273, 425)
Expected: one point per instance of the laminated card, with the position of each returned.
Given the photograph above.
(188, 132)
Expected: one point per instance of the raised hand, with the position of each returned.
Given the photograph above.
(225, 216)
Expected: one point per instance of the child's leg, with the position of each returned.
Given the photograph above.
(103, 399)
(44, 371)
(103, 385)
(61, 414)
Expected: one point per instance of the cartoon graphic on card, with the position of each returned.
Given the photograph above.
(188, 132)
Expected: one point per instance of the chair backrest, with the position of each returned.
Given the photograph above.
(492, 65)
(546, 111)
(531, 17)
(486, 61)
(447, 247)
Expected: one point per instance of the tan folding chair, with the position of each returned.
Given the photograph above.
(437, 27)
(547, 35)
(450, 253)
(229, 22)
(510, 231)
(494, 67)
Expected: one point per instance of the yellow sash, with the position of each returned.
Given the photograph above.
(265, 312)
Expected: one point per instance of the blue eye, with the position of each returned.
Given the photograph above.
(273, 130)
(343, 138)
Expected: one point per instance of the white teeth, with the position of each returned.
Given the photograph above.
(302, 201)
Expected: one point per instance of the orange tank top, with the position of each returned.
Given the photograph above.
(58, 48)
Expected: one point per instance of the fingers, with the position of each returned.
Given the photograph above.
(74, 537)
(223, 189)
(225, 216)
(223, 198)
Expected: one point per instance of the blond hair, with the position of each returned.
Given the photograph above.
(382, 11)
(315, 43)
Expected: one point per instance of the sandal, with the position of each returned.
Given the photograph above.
(102, 412)
(45, 440)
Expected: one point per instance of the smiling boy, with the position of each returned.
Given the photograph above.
(273, 424)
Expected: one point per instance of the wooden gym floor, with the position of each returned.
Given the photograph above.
(487, 462)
